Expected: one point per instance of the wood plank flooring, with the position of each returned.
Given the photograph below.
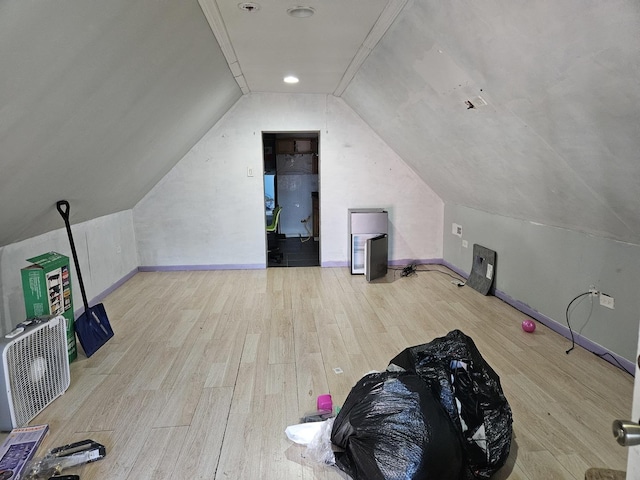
(207, 369)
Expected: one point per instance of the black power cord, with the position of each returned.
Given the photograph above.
(566, 314)
(607, 354)
(413, 267)
(409, 270)
(573, 343)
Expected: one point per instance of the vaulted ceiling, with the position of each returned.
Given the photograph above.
(98, 100)
(557, 141)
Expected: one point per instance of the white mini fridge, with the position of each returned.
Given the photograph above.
(368, 230)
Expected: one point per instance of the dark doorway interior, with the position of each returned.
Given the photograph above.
(291, 187)
(294, 253)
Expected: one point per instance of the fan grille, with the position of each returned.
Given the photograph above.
(38, 368)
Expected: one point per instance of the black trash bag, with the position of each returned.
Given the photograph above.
(470, 392)
(392, 427)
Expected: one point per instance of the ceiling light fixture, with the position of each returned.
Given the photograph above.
(249, 7)
(291, 79)
(301, 12)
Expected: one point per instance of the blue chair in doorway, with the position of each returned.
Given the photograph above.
(273, 250)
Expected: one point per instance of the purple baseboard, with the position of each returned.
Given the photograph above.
(189, 268)
(595, 348)
(334, 264)
(408, 261)
(394, 263)
(459, 271)
(103, 295)
(115, 286)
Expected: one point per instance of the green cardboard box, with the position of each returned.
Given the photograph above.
(46, 285)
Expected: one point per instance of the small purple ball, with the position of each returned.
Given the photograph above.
(528, 326)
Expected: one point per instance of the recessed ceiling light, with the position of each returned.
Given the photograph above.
(249, 7)
(291, 79)
(301, 12)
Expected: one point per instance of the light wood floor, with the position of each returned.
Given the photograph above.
(207, 369)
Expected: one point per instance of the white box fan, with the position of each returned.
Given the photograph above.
(35, 369)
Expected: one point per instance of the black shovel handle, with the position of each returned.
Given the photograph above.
(63, 209)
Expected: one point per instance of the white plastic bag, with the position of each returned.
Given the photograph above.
(303, 433)
(320, 449)
(316, 436)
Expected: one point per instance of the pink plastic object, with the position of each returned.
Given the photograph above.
(528, 326)
(325, 402)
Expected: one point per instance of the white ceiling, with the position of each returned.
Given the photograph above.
(262, 45)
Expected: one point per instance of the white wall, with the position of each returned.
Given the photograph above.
(97, 243)
(207, 212)
(545, 267)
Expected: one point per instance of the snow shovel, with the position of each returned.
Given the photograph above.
(92, 327)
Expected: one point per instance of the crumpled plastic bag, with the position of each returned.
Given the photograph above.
(316, 436)
(392, 427)
(437, 413)
(303, 433)
(471, 393)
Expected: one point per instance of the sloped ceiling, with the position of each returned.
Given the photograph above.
(557, 142)
(98, 100)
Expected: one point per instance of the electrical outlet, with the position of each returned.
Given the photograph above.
(593, 291)
(606, 301)
(456, 229)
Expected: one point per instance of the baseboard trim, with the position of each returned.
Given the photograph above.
(188, 268)
(334, 264)
(98, 298)
(593, 347)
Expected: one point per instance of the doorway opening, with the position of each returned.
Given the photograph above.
(291, 198)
